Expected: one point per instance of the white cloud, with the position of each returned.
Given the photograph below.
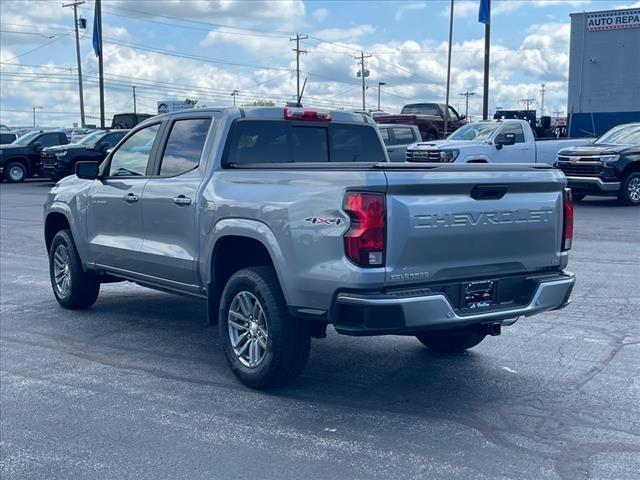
(321, 14)
(628, 5)
(408, 6)
(466, 8)
(345, 34)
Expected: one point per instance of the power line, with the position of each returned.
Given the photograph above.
(34, 49)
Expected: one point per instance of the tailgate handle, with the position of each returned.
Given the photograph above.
(489, 192)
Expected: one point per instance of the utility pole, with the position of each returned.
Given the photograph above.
(446, 102)
(77, 25)
(467, 94)
(484, 16)
(542, 100)
(234, 94)
(363, 73)
(34, 115)
(379, 88)
(297, 39)
(527, 102)
(135, 110)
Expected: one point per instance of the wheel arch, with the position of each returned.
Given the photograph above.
(54, 222)
(20, 159)
(241, 243)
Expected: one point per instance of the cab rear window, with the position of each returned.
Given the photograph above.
(273, 141)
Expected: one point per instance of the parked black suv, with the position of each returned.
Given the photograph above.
(128, 120)
(21, 159)
(609, 166)
(60, 161)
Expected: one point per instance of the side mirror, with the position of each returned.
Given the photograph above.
(108, 151)
(102, 146)
(36, 145)
(462, 116)
(87, 170)
(505, 139)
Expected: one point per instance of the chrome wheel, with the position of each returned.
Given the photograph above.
(634, 189)
(16, 173)
(61, 270)
(248, 330)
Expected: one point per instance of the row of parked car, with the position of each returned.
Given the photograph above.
(605, 166)
(50, 154)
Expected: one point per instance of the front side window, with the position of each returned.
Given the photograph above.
(184, 146)
(453, 115)
(514, 128)
(49, 140)
(131, 159)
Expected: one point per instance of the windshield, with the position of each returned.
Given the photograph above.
(475, 131)
(26, 138)
(421, 109)
(621, 135)
(91, 139)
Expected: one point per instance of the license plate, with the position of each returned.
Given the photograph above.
(479, 294)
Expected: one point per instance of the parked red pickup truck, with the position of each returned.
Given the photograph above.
(428, 117)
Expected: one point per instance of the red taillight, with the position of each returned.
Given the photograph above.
(364, 242)
(306, 114)
(567, 230)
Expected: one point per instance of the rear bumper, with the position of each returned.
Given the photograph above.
(592, 184)
(380, 314)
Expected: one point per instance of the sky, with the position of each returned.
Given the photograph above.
(177, 49)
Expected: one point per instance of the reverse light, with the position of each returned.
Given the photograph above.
(298, 113)
(567, 229)
(364, 242)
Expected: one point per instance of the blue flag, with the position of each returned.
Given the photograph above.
(97, 30)
(484, 14)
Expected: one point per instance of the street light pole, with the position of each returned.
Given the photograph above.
(466, 109)
(234, 94)
(135, 107)
(379, 85)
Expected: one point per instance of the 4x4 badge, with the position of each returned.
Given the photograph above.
(323, 221)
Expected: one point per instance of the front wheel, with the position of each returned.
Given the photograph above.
(72, 286)
(16, 172)
(630, 190)
(263, 344)
(448, 344)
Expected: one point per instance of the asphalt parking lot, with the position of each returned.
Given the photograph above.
(137, 387)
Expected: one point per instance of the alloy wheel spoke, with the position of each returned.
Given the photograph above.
(240, 338)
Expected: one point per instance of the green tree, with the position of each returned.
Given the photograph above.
(260, 103)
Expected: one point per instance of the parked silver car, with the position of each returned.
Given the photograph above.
(397, 138)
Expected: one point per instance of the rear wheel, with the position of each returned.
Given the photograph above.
(264, 345)
(630, 190)
(72, 286)
(453, 343)
(16, 172)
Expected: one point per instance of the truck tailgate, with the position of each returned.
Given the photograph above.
(464, 222)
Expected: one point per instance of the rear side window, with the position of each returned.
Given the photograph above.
(384, 133)
(402, 136)
(184, 146)
(112, 139)
(257, 142)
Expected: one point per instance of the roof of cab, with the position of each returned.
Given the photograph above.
(266, 113)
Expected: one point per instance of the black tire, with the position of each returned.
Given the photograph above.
(288, 339)
(15, 172)
(629, 193)
(578, 197)
(83, 287)
(453, 343)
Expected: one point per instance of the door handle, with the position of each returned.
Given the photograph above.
(181, 200)
(131, 197)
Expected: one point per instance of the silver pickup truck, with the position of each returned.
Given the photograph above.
(287, 220)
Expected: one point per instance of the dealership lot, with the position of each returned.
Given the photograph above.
(138, 385)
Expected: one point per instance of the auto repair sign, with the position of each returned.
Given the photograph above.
(613, 20)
